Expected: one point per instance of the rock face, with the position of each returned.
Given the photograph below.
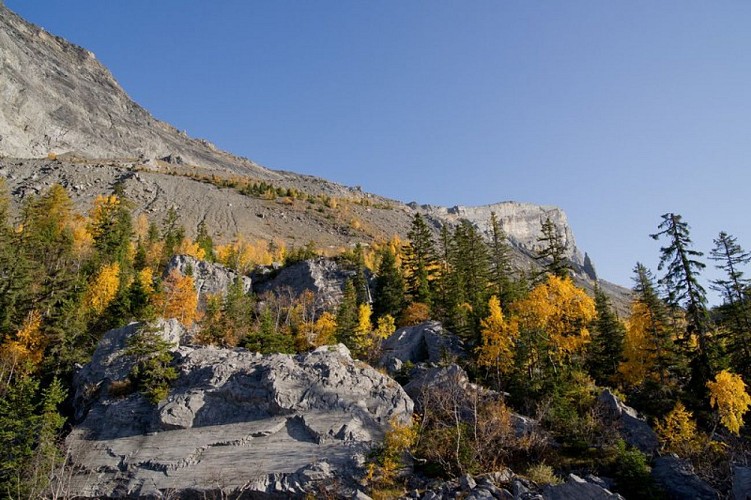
(520, 221)
(576, 488)
(210, 279)
(322, 276)
(424, 343)
(634, 430)
(57, 98)
(679, 481)
(741, 483)
(233, 421)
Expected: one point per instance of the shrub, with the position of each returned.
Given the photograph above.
(543, 474)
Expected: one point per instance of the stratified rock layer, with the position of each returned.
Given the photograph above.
(233, 421)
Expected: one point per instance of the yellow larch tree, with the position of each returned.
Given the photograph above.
(27, 349)
(363, 339)
(102, 288)
(179, 298)
(103, 211)
(498, 339)
(560, 312)
(677, 431)
(191, 248)
(728, 394)
(385, 326)
(325, 329)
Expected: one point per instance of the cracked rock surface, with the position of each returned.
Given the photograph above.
(234, 421)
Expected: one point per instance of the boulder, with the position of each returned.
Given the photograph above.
(277, 425)
(577, 488)
(210, 278)
(741, 482)
(679, 481)
(427, 342)
(322, 276)
(633, 429)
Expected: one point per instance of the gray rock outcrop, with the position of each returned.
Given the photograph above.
(210, 278)
(322, 276)
(57, 98)
(633, 429)
(741, 483)
(577, 488)
(233, 421)
(427, 342)
(679, 481)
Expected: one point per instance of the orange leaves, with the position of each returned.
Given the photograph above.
(188, 247)
(243, 255)
(677, 431)
(102, 288)
(498, 338)
(728, 394)
(179, 298)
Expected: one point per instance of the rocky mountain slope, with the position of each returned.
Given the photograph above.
(65, 119)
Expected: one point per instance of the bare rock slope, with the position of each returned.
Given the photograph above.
(234, 421)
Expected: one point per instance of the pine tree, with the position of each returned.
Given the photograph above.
(553, 252)
(360, 280)
(737, 307)
(608, 334)
(419, 261)
(172, 234)
(684, 290)
(389, 286)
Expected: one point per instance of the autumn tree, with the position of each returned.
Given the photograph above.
(103, 288)
(728, 395)
(677, 432)
(498, 341)
(111, 226)
(554, 324)
(681, 282)
(179, 298)
(652, 361)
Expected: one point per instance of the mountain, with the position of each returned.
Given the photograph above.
(65, 119)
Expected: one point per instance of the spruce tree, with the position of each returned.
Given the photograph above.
(419, 261)
(204, 241)
(553, 251)
(347, 316)
(608, 333)
(500, 275)
(682, 270)
(389, 286)
(360, 280)
(471, 264)
(730, 258)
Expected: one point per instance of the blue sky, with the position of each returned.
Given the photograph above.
(615, 111)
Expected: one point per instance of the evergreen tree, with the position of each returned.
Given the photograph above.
(419, 261)
(501, 273)
(347, 317)
(684, 290)
(389, 286)
(446, 297)
(172, 233)
(608, 333)
(471, 267)
(204, 241)
(360, 280)
(730, 258)
(553, 251)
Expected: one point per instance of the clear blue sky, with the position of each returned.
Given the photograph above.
(615, 111)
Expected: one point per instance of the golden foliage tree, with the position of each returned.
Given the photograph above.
(325, 329)
(103, 288)
(191, 248)
(498, 339)
(179, 298)
(555, 316)
(27, 349)
(677, 431)
(728, 394)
